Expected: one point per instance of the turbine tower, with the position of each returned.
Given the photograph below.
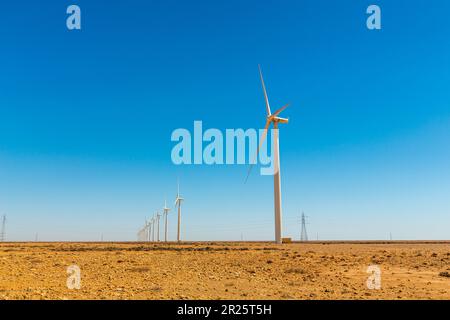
(149, 238)
(144, 231)
(303, 235)
(153, 227)
(165, 212)
(178, 201)
(157, 219)
(3, 231)
(273, 118)
(147, 230)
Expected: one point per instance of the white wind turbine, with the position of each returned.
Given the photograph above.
(178, 201)
(157, 219)
(165, 212)
(147, 231)
(149, 236)
(275, 119)
(153, 228)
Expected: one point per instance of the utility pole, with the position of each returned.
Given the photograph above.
(303, 235)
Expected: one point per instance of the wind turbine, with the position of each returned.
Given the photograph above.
(178, 200)
(157, 219)
(149, 236)
(146, 230)
(165, 212)
(153, 228)
(273, 118)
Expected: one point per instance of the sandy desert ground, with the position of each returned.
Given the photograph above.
(225, 270)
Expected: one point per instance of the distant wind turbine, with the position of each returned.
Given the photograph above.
(178, 201)
(149, 236)
(153, 228)
(273, 118)
(165, 212)
(157, 222)
(146, 228)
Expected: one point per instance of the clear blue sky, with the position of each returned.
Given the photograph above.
(86, 117)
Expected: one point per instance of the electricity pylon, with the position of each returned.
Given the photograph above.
(303, 235)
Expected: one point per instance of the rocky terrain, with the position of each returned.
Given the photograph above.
(239, 270)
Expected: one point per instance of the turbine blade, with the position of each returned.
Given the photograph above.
(266, 129)
(276, 113)
(265, 92)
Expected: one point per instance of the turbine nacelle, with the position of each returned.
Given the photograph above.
(277, 119)
(165, 209)
(274, 117)
(178, 200)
